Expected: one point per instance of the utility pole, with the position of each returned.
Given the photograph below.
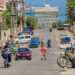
(23, 14)
(31, 12)
(13, 17)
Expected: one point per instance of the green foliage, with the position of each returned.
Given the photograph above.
(18, 20)
(30, 21)
(68, 21)
(59, 23)
(56, 23)
(70, 5)
(6, 15)
(53, 25)
(7, 27)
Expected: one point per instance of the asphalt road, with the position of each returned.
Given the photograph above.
(36, 66)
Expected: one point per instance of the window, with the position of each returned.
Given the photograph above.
(21, 37)
(23, 50)
(27, 36)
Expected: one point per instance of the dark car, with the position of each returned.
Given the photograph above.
(23, 53)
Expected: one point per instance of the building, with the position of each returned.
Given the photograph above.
(2, 6)
(46, 15)
(29, 12)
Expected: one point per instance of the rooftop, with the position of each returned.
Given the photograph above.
(46, 8)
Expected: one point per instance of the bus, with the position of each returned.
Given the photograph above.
(60, 27)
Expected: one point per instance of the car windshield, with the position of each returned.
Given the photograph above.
(27, 36)
(22, 37)
(23, 50)
(34, 39)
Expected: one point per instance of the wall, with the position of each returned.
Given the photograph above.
(5, 35)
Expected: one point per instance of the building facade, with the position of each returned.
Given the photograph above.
(46, 15)
(30, 12)
(2, 6)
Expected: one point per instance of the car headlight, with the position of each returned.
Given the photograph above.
(18, 55)
(27, 54)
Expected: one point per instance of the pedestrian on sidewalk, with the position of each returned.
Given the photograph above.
(43, 50)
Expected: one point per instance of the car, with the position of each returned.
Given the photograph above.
(23, 39)
(34, 42)
(23, 53)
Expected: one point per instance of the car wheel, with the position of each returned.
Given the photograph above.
(30, 58)
(73, 65)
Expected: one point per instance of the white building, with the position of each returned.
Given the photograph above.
(46, 15)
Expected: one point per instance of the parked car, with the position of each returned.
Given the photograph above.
(34, 42)
(23, 39)
(23, 53)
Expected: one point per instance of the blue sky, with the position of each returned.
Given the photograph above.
(61, 4)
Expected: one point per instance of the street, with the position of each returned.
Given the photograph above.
(36, 66)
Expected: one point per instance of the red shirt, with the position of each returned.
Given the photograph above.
(43, 49)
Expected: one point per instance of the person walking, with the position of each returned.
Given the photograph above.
(42, 42)
(43, 50)
(49, 43)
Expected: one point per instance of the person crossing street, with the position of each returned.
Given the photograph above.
(43, 50)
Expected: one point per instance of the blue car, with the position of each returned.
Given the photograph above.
(34, 42)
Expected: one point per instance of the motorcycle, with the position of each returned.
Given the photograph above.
(50, 29)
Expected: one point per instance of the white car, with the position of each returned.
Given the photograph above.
(23, 39)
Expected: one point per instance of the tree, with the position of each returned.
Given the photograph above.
(59, 23)
(56, 23)
(6, 16)
(70, 9)
(30, 21)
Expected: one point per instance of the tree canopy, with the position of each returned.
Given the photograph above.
(70, 8)
(31, 21)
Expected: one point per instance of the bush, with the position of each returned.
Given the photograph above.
(54, 25)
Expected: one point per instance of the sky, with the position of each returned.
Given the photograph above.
(61, 4)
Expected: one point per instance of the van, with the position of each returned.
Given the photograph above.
(23, 39)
